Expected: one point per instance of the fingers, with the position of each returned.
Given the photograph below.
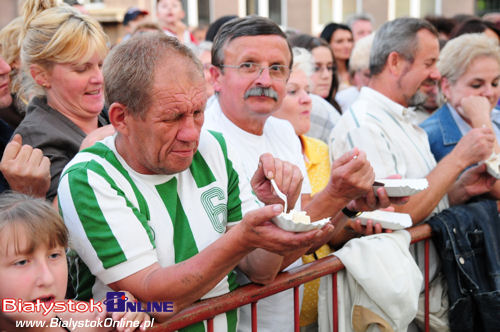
(369, 229)
(12, 149)
(261, 215)
(257, 232)
(353, 178)
(346, 157)
(266, 160)
(371, 199)
(287, 176)
(383, 198)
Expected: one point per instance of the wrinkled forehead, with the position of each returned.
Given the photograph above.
(427, 45)
(179, 88)
(267, 47)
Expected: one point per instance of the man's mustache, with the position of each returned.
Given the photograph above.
(259, 91)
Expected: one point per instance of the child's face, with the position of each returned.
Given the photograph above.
(41, 274)
(169, 11)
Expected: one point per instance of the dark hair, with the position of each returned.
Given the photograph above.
(330, 28)
(215, 26)
(309, 43)
(473, 25)
(241, 27)
(461, 18)
(442, 24)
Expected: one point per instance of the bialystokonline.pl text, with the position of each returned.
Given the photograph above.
(72, 324)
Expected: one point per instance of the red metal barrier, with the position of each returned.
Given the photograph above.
(207, 309)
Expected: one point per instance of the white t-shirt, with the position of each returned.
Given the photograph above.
(273, 313)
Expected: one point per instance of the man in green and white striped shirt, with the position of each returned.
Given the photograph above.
(148, 209)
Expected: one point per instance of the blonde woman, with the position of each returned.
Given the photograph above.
(296, 108)
(470, 70)
(10, 52)
(61, 56)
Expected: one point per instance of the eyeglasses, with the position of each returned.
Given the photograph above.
(254, 70)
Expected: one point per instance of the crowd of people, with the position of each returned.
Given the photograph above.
(147, 167)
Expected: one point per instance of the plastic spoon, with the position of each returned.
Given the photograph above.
(280, 194)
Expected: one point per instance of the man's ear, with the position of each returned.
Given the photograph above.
(217, 76)
(119, 117)
(40, 75)
(395, 62)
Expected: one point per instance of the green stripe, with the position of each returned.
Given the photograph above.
(232, 320)
(81, 278)
(184, 243)
(231, 280)
(94, 166)
(374, 117)
(233, 189)
(349, 138)
(196, 327)
(103, 151)
(202, 174)
(92, 220)
(394, 159)
(354, 117)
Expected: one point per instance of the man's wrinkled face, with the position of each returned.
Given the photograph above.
(360, 29)
(423, 67)
(167, 137)
(258, 93)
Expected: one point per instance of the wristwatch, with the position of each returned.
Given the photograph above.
(351, 214)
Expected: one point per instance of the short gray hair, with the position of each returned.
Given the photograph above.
(130, 66)
(460, 52)
(241, 27)
(399, 35)
(303, 60)
(358, 17)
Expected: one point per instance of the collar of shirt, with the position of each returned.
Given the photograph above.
(397, 110)
(463, 126)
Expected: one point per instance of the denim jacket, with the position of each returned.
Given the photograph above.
(468, 240)
(442, 131)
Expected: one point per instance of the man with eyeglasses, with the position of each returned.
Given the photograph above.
(158, 209)
(251, 61)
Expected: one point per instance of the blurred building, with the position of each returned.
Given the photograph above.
(305, 15)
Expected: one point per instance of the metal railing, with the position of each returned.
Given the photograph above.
(252, 293)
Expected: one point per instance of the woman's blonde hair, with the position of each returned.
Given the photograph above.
(10, 49)
(9, 40)
(55, 34)
(35, 217)
(459, 52)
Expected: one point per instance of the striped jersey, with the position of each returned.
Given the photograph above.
(121, 221)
